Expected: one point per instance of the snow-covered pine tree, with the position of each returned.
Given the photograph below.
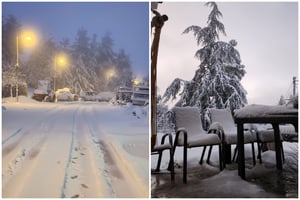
(216, 82)
(89, 61)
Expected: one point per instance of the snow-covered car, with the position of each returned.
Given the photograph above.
(42, 91)
(39, 94)
(124, 94)
(105, 96)
(88, 96)
(140, 95)
(64, 95)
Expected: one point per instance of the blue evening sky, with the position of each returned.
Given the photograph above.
(127, 22)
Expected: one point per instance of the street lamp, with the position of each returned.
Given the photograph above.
(136, 81)
(60, 60)
(110, 74)
(27, 39)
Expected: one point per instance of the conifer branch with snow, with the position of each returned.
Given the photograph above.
(216, 82)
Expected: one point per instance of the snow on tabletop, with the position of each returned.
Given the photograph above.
(262, 111)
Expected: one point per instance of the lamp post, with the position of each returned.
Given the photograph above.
(17, 68)
(28, 38)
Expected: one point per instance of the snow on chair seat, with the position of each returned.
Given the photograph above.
(224, 118)
(189, 134)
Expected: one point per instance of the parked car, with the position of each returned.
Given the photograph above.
(88, 96)
(140, 95)
(105, 96)
(124, 94)
(64, 95)
(42, 92)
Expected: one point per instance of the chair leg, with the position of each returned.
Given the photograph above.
(259, 152)
(253, 154)
(202, 155)
(171, 165)
(209, 153)
(234, 154)
(185, 164)
(159, 161)
(281, 146)
(220, 157)
(227, 153)
(223, 155)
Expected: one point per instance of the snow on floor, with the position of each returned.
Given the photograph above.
(206, 180)
(74, 149)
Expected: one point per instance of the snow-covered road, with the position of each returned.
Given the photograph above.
(75, 149)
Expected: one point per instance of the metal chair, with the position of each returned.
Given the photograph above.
(190, 134)
(158, 149)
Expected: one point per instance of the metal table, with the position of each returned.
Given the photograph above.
(274, 115)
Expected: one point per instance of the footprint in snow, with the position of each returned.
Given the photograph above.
(73, 177)
(75, 196)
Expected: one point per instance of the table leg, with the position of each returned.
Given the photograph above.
(277, 146)
(241, 154)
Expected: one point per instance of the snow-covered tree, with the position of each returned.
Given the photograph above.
(216, 82)
(40, 64)
(10, 77)
(89, 61)
(10, 26)
(281, 100)
(123, 67)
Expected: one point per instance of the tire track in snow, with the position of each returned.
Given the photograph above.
(124, 180)
(23, 156)
(28, 127)
(83, 179)
(100, 157)
(16, 148)
(11, 136)
(26, 140)
(74, 128)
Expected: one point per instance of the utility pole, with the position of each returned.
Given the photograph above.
(294, 86)
(156, 23)
(17, 67)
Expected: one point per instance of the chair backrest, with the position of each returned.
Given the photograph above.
(188, 118)
(224, 117)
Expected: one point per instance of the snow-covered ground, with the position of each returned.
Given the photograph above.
(74, 149)
(206, 180)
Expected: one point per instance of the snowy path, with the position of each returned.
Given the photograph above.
(66, 150)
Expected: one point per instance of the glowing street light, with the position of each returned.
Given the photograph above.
(26, 38)
(111, 73)
(60, 60)
(136, 81)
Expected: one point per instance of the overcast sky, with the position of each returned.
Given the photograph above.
(128, 23)
(267, 36)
